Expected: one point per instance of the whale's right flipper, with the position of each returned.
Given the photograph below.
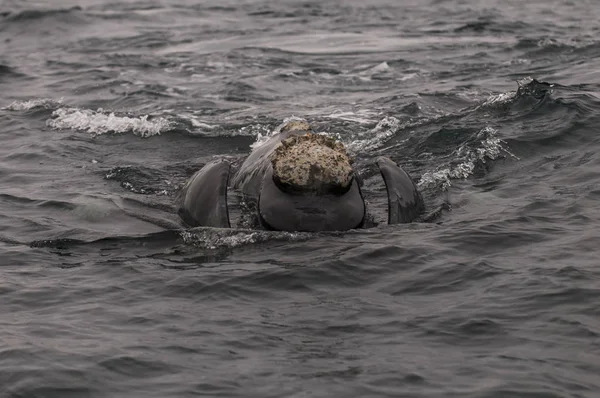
(203, 200)
(405, 202)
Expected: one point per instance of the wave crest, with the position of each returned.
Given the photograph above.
(46, 103)
(465, 160)
(98, 122)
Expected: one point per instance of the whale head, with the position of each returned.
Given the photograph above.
(311, 186)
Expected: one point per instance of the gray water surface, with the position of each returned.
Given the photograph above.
(108, 107)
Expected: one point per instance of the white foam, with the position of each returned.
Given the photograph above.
(374, 138)
(363, 141)
(362, 116)
(213, 238)
(548, 42)
(200, 127)
(99, 122)
(46, 103)
(502, 98)
(262, 132)
(490, 148)
(201, 124)
(379, 68)
(408, 76)
(517, 61)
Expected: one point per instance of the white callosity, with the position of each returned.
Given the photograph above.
(310, 162)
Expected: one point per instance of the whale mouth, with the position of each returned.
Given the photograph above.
(285, 210)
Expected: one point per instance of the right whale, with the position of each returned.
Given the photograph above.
(296, 181)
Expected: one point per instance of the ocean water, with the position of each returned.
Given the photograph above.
(108, 107)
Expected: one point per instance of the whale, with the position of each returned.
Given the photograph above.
(296, 181)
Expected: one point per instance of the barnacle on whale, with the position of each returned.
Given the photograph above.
(312, 163)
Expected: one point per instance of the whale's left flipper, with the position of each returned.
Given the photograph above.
(203, 200)
(404, 199)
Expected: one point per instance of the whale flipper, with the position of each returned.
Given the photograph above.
(405, 202)
(203, 200)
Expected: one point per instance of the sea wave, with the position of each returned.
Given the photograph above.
(465, 159)
(101, 122)
(26, 105)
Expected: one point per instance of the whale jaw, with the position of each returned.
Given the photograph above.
(309, 212)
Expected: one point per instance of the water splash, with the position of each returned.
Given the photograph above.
(498, 99)
(263, 133)
(99, 122)
(362, 116)
(260, 131)
(374, 138)
(465, 159)
(527, 87)
(46, 103)
(196, 125)
(214, 238)
(360, 142)
(381, 67)
(368, 73)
